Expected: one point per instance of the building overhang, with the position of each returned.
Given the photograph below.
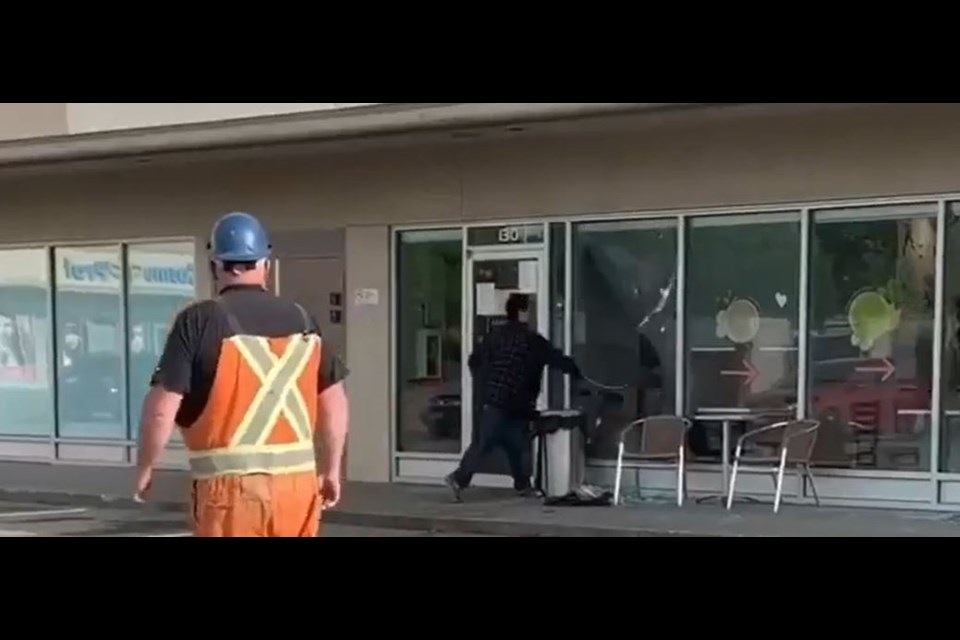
(384, 119)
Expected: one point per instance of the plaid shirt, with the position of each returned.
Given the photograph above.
(509, 365)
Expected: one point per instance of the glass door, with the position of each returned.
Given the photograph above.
(492, 278)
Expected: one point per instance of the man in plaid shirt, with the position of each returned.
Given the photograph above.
(509, 366)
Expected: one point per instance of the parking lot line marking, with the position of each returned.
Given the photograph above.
(49, 512)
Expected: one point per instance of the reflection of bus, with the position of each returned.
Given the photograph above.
(90, 351)
(90, 361)
(150, 319)
(843, 389)
(23, 311)
(17, 348)
(25, 389)
(850, 387)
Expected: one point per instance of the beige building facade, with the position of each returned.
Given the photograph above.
(763, 259)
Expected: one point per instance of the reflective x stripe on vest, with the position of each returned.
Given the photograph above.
(279, 394)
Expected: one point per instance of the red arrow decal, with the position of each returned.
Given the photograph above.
(749, 375)
(887, 370)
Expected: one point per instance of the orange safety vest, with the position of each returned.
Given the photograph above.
(261, 414)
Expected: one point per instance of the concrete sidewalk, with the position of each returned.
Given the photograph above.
(494, 512)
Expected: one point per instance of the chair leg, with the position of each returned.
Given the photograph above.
(681, 484)
(616, 483)
(813, 483)
(733, 476)
(783, 465)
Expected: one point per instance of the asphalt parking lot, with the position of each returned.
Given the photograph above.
(29, 520)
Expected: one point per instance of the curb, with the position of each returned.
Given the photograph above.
(432, 524)
(501, 528)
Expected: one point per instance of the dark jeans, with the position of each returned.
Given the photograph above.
(498, 429)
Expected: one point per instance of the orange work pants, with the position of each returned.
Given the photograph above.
(257, 506)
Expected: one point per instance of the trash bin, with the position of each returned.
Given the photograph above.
(561, 452)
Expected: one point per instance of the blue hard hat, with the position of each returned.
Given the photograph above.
(239, 237)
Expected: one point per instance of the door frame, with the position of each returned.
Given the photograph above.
(498, 254)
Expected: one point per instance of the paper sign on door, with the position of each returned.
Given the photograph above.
(528, 277)
(487, 299)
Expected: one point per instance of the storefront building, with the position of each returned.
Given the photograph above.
(799, 259)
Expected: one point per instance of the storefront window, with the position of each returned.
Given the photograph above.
(160, 283)
(428, 341)
(950, 378)
(742, 306)
(26, 383)
(872, 281)
(624, 323)
(742, 302)
(91, 384)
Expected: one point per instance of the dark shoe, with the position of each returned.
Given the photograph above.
(455, 487)
(528, 492)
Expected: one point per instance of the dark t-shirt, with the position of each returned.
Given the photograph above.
(189, 361)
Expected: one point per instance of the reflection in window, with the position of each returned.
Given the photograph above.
(160, 282)
(26, 384)
(742, 303)
(950, 378)
(428, 341)
(91, 398)
(624, 325)
(871, 335)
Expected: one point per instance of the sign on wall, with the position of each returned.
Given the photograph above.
(366, 297)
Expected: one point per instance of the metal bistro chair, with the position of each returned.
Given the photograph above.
(662, 439)
(797, 440)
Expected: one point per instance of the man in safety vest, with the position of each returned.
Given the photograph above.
(258, 396)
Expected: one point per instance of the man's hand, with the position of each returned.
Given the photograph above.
(333, 416)
(143, 484)
(329, 490)
(156, 427)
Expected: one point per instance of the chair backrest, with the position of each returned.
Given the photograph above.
(800, 438)
(662, 434)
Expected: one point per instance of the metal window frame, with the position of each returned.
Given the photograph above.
(394, 358)
(803, 309)
(939, 328)
(567, 307)
(552, 302)
(680, 339)
(125, 348)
